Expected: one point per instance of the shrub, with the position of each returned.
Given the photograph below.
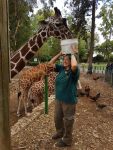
(98, 58)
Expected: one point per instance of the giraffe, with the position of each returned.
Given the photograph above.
(36, 91)
(54, 26)
(26, 80)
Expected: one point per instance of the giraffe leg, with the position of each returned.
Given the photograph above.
(32, 103)
(19, 105)
(31, 99)
(41, 97)
(25, 101)
(25, 107)
(25, 104)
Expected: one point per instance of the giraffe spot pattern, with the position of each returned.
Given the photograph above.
(29, 77)
(29, 55)
(43, 34)
(24, 50)
(39, 41)
(20, 65)
(16, 58)
(12, 65)
(37, 88)
(34, 48)
(32, 42)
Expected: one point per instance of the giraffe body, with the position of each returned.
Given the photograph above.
(36, 91)
(27, 79)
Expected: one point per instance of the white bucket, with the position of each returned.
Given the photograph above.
(66, 45)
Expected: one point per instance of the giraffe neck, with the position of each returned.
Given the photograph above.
(27, 51)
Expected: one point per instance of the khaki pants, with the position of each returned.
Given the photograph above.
(64, 119)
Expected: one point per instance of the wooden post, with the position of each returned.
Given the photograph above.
(4, 78)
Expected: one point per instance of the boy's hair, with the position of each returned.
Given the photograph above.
(69, 56)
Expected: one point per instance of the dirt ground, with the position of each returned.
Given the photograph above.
(93, 128)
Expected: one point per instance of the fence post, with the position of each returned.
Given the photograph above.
(111, 78)
(4, 78)
(46, 94)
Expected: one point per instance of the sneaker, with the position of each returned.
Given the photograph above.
(56, 136)
(61, 143)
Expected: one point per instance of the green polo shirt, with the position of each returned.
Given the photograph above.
(66, 84)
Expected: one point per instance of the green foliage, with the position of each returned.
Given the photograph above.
(32, 3)
(41, 14)
(111, 58)
(98, 58)
(20, 12)
(79, 9)
(31, 63)
(49, 49)
(82, 51)
(105, 49)
(107, 20)
(44, 58)
(19, 23)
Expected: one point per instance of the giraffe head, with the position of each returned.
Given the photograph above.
(45, 67)
(41, 70)
(49, 68)
(56, 26)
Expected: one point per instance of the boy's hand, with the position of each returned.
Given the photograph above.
(74, 49)
(62, 53)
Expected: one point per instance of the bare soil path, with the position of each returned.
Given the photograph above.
(93, 128)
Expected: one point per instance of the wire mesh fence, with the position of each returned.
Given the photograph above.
(109, 74)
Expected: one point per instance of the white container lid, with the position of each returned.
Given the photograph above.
(69, 42)
(66, 45)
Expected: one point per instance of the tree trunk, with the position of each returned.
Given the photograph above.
(5, 141)
(78, 49)
(92, 38)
